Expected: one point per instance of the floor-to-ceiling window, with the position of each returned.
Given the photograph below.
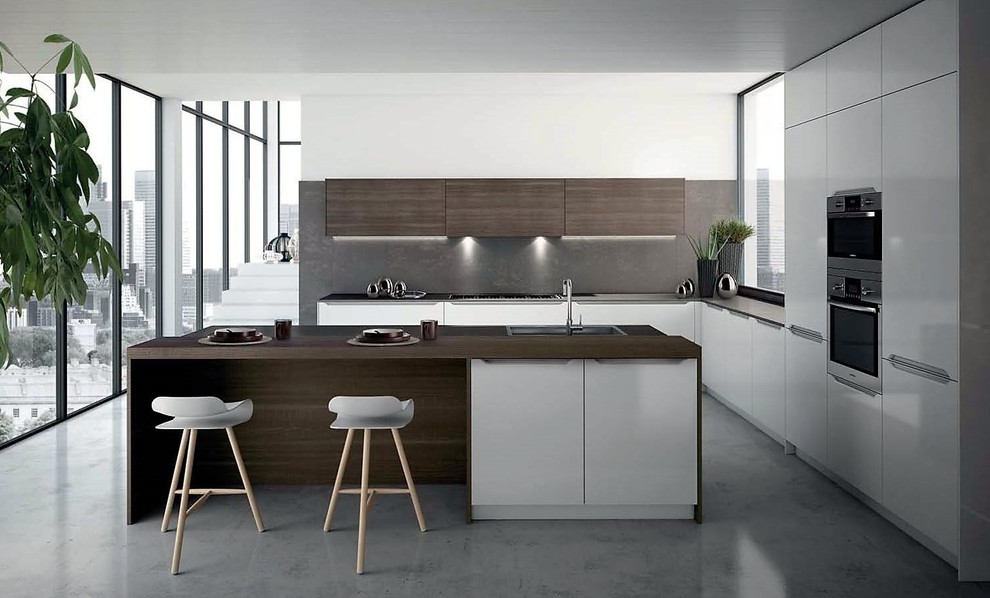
(761, 181)
(225, 199)
(41, 386)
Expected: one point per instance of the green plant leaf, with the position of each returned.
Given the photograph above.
(75, 101)
(13, 215)
(63, 59)
(56, 38)
(77, 67)
(86, 67)
(19, 92)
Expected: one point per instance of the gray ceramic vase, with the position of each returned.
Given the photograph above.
(730, 259)
(707, 272)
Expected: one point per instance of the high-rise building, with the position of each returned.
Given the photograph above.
(144, 194)
(764, 273)
(288, 218)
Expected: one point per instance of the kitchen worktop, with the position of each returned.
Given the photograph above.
(454, 342)
(583, 297)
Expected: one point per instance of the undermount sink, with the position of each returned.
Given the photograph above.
(562, 331)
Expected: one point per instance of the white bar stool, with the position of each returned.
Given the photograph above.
(191, 414)
(370, 413)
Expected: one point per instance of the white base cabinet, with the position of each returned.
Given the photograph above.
(769, 378)
(807, 397)
(527, 432)
(674, 319)
(727, 346)
(921, 453)
(640, 432)
(382, 313)
(503, 313)
(855, 433)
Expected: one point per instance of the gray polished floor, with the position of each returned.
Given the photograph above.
(774, 528)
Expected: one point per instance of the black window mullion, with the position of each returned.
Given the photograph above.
(159, 211)
(225, 200)
(199, 219)
(116, 288)
(247, 184)
(264, 171)
(61, 315)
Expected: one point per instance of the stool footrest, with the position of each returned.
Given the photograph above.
(225, 491)
(375, 491)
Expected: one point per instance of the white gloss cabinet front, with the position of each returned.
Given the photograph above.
(807, 402)
(501, 313)
(853, 150)
(769, 377)
(854, 437)
(641, 421)
(921, 453)
(671, 318)
(527, 432)
(377, 313)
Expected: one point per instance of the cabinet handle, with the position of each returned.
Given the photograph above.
(853, 386)
(606, 361)
(738, 314)
(713, 306)
(526, 361)
(807, 333)
(918, 368)
(769, 323)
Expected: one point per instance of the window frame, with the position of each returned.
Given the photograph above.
(752, 292)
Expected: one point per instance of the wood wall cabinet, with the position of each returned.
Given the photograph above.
(402, 207)
(624, 206)
(505, 207)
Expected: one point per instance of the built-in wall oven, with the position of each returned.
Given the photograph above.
(854, 230)
(855, 328)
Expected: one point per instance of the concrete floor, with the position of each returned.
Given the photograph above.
(774, 527)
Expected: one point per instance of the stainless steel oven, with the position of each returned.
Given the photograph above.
(854, 230)
(855, 328)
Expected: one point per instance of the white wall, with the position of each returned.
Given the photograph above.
(490, 132)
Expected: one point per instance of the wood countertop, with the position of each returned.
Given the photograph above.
(454, 342)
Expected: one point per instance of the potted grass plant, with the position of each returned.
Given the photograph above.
(707, 250)
(733, 233)
(48, 237)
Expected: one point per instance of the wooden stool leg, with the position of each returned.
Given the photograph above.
(409, 479)
(363, 518)
(340, 479)
(175, 480)
(184, 502)
(244, 479)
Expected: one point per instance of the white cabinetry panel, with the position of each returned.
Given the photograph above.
(527, 432)
(804, 92)
(714, 371)
(807, 403)
(641, 423)
(920, 44)
(675, 319)
(769, 375)
(853, 150)
(921, 453)
(478, 313)
(378, 313)
(805, 230)
(854, 71)
(921, 224)
(738, 383)
(854, 437)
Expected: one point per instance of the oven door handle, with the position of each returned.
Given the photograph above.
(852, 215)
(859, 308)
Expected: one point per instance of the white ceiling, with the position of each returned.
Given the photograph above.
(226, 42)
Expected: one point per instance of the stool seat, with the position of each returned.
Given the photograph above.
(370, 413)
(232, 415)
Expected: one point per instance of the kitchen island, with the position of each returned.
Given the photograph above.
(536, 426)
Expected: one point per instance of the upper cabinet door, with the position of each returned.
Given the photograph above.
(854, 71)
(505, 207)
(385, 207)
(921, 224)
(804, 92)
(920, 44)
(854, 149)
(624, 206)
(805, 225)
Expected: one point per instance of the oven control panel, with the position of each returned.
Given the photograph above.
(854, 286)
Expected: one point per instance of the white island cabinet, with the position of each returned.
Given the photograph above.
(378, 312)
(584, 439)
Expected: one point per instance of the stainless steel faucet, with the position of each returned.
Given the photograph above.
(568, 291)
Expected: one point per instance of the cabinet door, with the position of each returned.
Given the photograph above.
(921, 225)
(505, 207)
(769, 376)
(854, 71)
(807, 403)
(641, 432)
(921, 453)
(675, 319)
(920, 44)
(804, 92)
(853, 150)
(374, 313)
(474, 313)
(527, 432)
(805, 226)
(385, 207)
(854, 437)
(714, 357)
(738, 383)
(624, 206)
